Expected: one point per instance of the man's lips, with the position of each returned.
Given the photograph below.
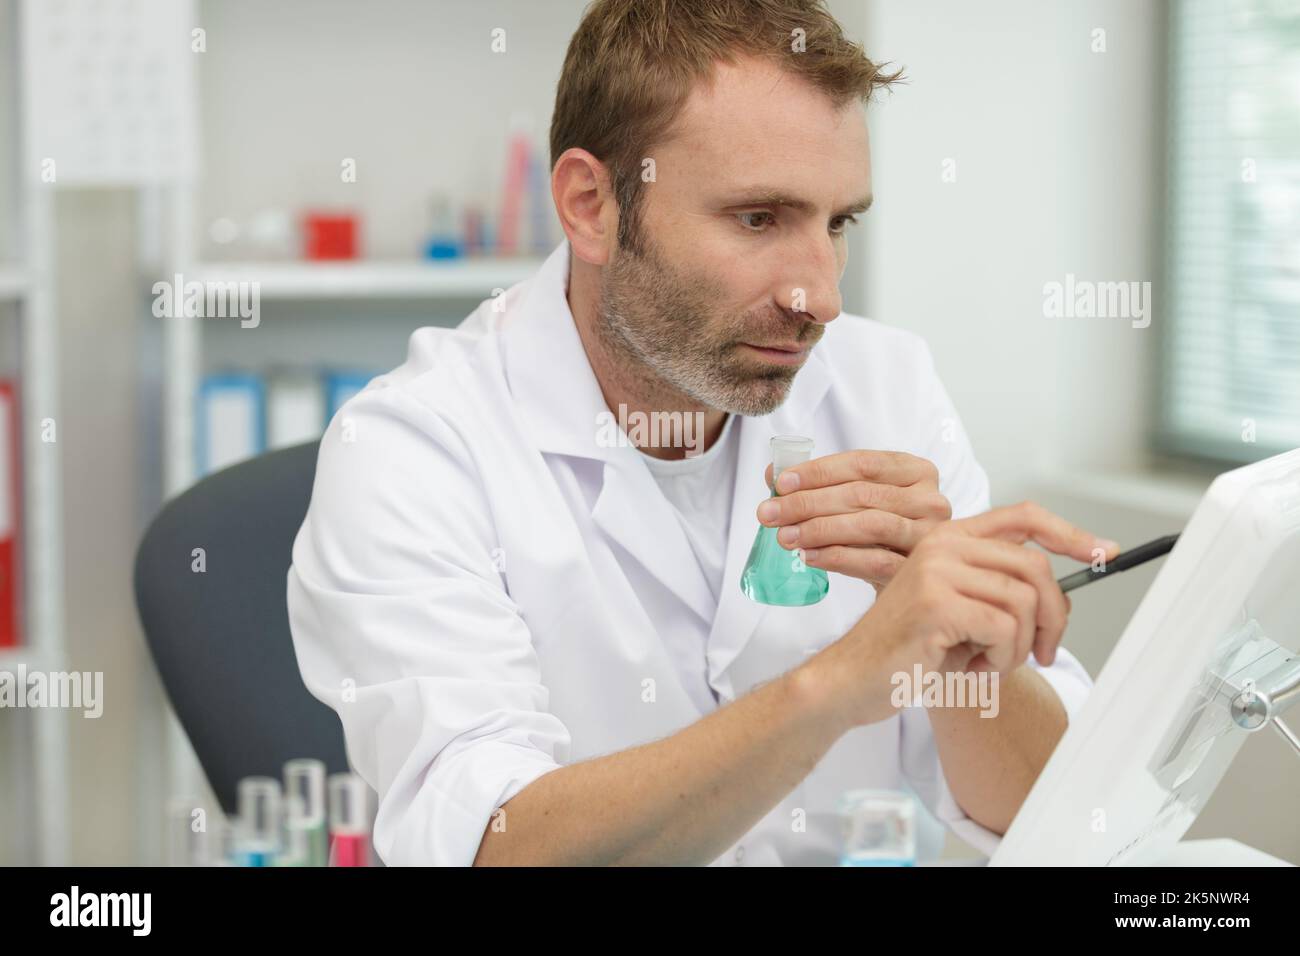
(781, 354)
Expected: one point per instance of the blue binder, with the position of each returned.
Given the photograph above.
(230, 420)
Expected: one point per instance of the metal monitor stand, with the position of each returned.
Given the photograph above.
(1257, 703)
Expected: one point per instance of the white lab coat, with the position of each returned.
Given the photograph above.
(485, 594)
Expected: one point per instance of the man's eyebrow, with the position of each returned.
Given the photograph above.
(763, 196)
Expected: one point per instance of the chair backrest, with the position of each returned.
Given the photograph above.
(217, 623)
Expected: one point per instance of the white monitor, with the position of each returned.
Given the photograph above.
(1158, 732)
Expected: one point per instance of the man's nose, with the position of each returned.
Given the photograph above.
(811, 286)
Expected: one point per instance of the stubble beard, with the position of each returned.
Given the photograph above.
(655, 328)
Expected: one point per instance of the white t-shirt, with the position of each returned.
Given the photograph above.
(700, 489)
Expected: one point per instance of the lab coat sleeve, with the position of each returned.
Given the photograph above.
(402, 624)
(966, 486)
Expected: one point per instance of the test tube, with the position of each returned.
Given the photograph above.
(261, 817)
(349, 820)
(305, 822)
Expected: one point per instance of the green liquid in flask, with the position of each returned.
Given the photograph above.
(774, 575)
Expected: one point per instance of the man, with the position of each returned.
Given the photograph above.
(535, 635)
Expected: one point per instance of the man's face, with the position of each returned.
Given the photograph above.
(743, 238)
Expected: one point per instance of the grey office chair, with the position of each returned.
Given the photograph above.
(220, 639)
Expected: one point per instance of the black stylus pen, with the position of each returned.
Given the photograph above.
(1121, 562)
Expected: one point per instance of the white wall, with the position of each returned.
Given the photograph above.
(1058, 154)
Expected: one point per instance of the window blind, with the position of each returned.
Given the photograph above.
(1230, 382)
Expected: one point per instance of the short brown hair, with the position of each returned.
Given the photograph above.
(632, 63)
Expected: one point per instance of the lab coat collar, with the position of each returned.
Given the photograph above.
(554, 388)
(559, 399)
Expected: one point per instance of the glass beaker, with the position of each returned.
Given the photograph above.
(879, 828)
(774, 575)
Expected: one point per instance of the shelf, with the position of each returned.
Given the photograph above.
(370, 279)
(13, 284)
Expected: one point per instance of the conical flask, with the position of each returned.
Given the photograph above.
(772, 574)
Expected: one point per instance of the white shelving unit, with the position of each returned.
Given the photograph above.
(362, 280)
(40, 737)
(55, 55)
(388, 298)
(169, 230)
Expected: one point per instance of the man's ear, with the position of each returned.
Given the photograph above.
(584, 199)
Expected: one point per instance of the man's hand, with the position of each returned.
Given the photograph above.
(970, 598)
(859, 513)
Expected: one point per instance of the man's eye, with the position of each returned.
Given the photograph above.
(843, 223)
(746, 217)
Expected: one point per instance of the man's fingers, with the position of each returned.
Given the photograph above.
(1032, 567)
(864, 529)
(874, 565)
(995, 628)
(850, 497)
(1013, 595)
(887, 467)
(1029, 521)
